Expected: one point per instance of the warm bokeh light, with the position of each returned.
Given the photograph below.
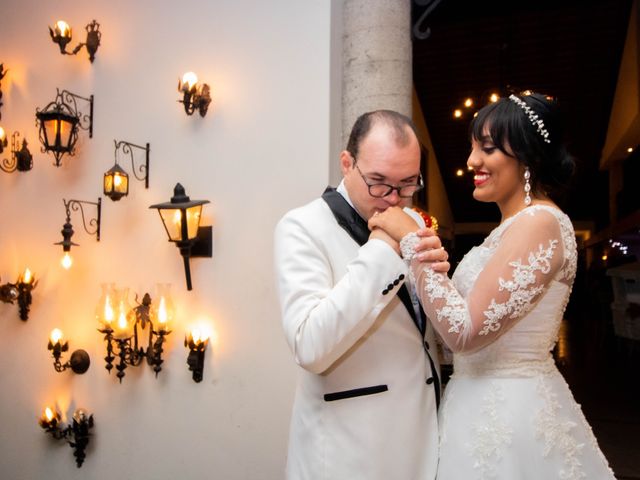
(468, 102)
(66, 261)
(457, 113)
(494, 97)
(630, 149)
(459, 172)
(604, 257)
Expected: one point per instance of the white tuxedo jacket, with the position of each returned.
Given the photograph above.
(365, 405)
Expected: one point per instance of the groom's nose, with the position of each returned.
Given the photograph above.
(393, 198)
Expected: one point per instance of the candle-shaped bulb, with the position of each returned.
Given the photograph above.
(66, 261)
(48, 414)
(27, 277)
(122, 325)
(3, 135)
(162, 313)
(108, 310)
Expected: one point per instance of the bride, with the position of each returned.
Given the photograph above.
(507, 412)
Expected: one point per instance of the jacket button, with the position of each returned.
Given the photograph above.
(401, 277)
(396, 281)
(390, 286)
(385, 291)
(429, 380)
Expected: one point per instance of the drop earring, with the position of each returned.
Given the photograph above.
(527, 187)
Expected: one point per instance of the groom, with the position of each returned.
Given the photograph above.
(365, 406)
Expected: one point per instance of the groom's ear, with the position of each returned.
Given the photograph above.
(346, 162)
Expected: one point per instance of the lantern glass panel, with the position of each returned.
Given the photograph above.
(120, 183)
(51, 132)
(66, 129)
(171, 217)
(193, 220)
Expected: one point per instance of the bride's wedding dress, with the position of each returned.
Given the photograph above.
(507, 413)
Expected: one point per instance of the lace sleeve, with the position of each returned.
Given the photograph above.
(525, 261)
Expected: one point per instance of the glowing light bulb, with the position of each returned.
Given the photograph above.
(48, 414)
(62, 28)
(66, 261)
(189, 80)
(117, 180)
(56, 336)
(27, 277)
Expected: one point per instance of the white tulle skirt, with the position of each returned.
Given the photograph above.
(516, 429)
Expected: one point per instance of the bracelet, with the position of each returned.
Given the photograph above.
(408, 245)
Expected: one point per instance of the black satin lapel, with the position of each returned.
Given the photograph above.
(356, 227)
(403, 294)
(346, 216)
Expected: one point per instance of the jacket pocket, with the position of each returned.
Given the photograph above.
(356, 392)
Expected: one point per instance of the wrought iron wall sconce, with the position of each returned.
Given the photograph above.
(197, 344)
(20, 160)
(59, 122)
(77, 434)
(61, 34)
(181, 219)
(120, 326)
(194, 96)
(67, 229)
(20, 291)
(116, 179)
(79, 361)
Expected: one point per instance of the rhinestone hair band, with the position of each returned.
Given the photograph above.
(533, 117)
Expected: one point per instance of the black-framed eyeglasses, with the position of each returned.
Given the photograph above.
(379, 190)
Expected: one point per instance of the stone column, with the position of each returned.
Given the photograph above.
(377, 55)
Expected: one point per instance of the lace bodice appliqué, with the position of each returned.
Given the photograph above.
(526, 267)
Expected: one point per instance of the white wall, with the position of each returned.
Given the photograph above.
(262, 149)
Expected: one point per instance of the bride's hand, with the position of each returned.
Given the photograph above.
(430, 250)
(394, 222)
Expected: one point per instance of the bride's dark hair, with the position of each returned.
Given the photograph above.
(513, 131)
